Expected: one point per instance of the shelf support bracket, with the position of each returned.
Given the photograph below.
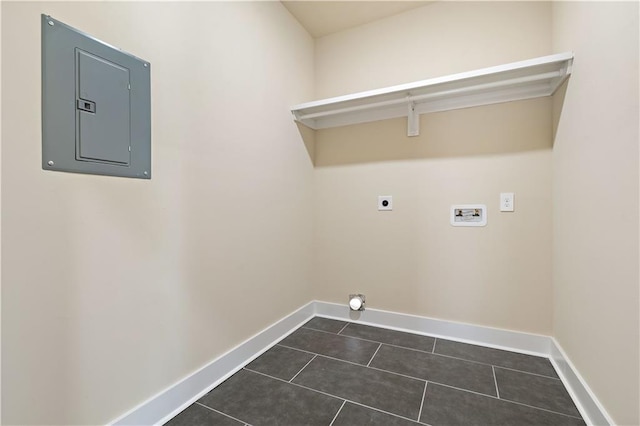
(413, 120)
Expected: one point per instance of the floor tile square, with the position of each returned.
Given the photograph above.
(537, 391)
(353, 414)
(261, 400)
(447, 406)
(332, 345)
(280, 362)
(197, 415)
(449, 371)
(379, 389)
(391, 337)
(325, 324)
(498, 357)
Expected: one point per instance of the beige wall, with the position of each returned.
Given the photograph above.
(441, 38)
(411, 260)
(114, 289)
(595, 199)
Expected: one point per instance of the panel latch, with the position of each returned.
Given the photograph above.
(88, 106)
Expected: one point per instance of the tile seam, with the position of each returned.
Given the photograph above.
(424, 394)
(337, 413)
(528, 372)
(425, 380)
(507, 400)
(433, 350)
(403, 347)
(324, 331)
(381, 411)
(374, 355)
(305, 366)
(330, 395)
(342, 329)
(220, 412)
(450, 357)
(385, 343)
(483, 363)
(397, 415)
(326, 356)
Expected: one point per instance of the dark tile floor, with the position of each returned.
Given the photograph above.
(331, 372)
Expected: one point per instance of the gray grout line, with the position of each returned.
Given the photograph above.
(374, 354)
(542, 409)
(397, 415)
(338, 412)
(335, 334)
(415, 378)
(433, 352)
(224, 414)
(330, 395)
(305, 366)
(325, 356)
(507, 400)
(395, 346)
(433, 349)
(345, 326)
(495, 380)
(397, 374)
(466, 360)
(420, 379)
(527, 372)
(410, 377)
(382, 411)
(424, 394)
(356, 364)
(467, 390)
(298, 349)
(270, 376)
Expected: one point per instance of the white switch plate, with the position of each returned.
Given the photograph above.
(385, 202)
(506, 202)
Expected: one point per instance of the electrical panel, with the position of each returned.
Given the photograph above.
(96, 108)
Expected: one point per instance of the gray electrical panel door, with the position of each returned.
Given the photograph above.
(102, 110)
(95, 105)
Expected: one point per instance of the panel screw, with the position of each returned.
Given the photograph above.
(146, 173)
(146, 65)
(50, 162)
(50, 23)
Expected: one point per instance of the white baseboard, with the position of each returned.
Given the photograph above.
(590, 408)
(533, 344)
(173, 400)
(166, 404)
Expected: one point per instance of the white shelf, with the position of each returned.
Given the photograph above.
(528, 79)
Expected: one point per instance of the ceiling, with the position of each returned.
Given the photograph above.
(321, 18)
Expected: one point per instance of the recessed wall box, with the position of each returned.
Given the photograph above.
(96, 109)
(468, 215)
